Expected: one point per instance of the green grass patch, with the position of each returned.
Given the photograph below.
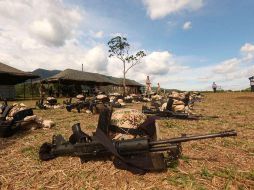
(173, 165)
(206, 174)
(30, 152)
(250, 126)
(186, 159)
(249, 175)
(91, 127)
(240, 113)
(170, 124)
(228, 185)
(185, 181)
(230, 142)
(182, 180)
(228, 173)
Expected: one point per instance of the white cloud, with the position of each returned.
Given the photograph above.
(229, 74)
(232, 73)
(68, 56)
(54, 35)
(51, 22)
(57, 26)
(48, 32)
(157, 9)
(187, 25)
(118, 34)
(247, 48)
(159, 65)
(96, 59)
(99, 34)
(95, 35)
(47, 35)
(227, 66)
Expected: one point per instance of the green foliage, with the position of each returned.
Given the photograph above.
(120, 48)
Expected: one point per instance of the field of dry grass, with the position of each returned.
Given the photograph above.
(208, 164)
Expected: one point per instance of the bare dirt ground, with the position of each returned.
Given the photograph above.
(208, 164)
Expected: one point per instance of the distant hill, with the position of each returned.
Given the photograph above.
(43, 73)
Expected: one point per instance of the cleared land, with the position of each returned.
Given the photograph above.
(208, 164)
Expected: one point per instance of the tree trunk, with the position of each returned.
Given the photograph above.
(124, 84)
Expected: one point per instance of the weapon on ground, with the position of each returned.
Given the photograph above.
(50, 102)
(137, 155)
(167, 114)
(170, 114)
(40, 104)
(79, 105)
(93, 105)
(3, 109)
(9, 127)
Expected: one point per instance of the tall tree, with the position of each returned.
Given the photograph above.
(120, 48)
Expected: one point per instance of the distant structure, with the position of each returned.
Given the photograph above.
(9, 77)
(71, 82)
(214, 86)
(252, 83)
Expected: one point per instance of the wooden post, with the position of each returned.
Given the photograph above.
(48, 89)
(58, 88)
(24, 90)
(32, 88)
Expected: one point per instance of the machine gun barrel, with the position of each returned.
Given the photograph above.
(60, 147)
(194, 137)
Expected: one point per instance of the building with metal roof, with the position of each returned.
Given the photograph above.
(9, 77)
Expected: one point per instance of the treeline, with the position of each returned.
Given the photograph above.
(27, 90)
(31, 90)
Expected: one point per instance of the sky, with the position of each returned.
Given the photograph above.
(188, 43)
